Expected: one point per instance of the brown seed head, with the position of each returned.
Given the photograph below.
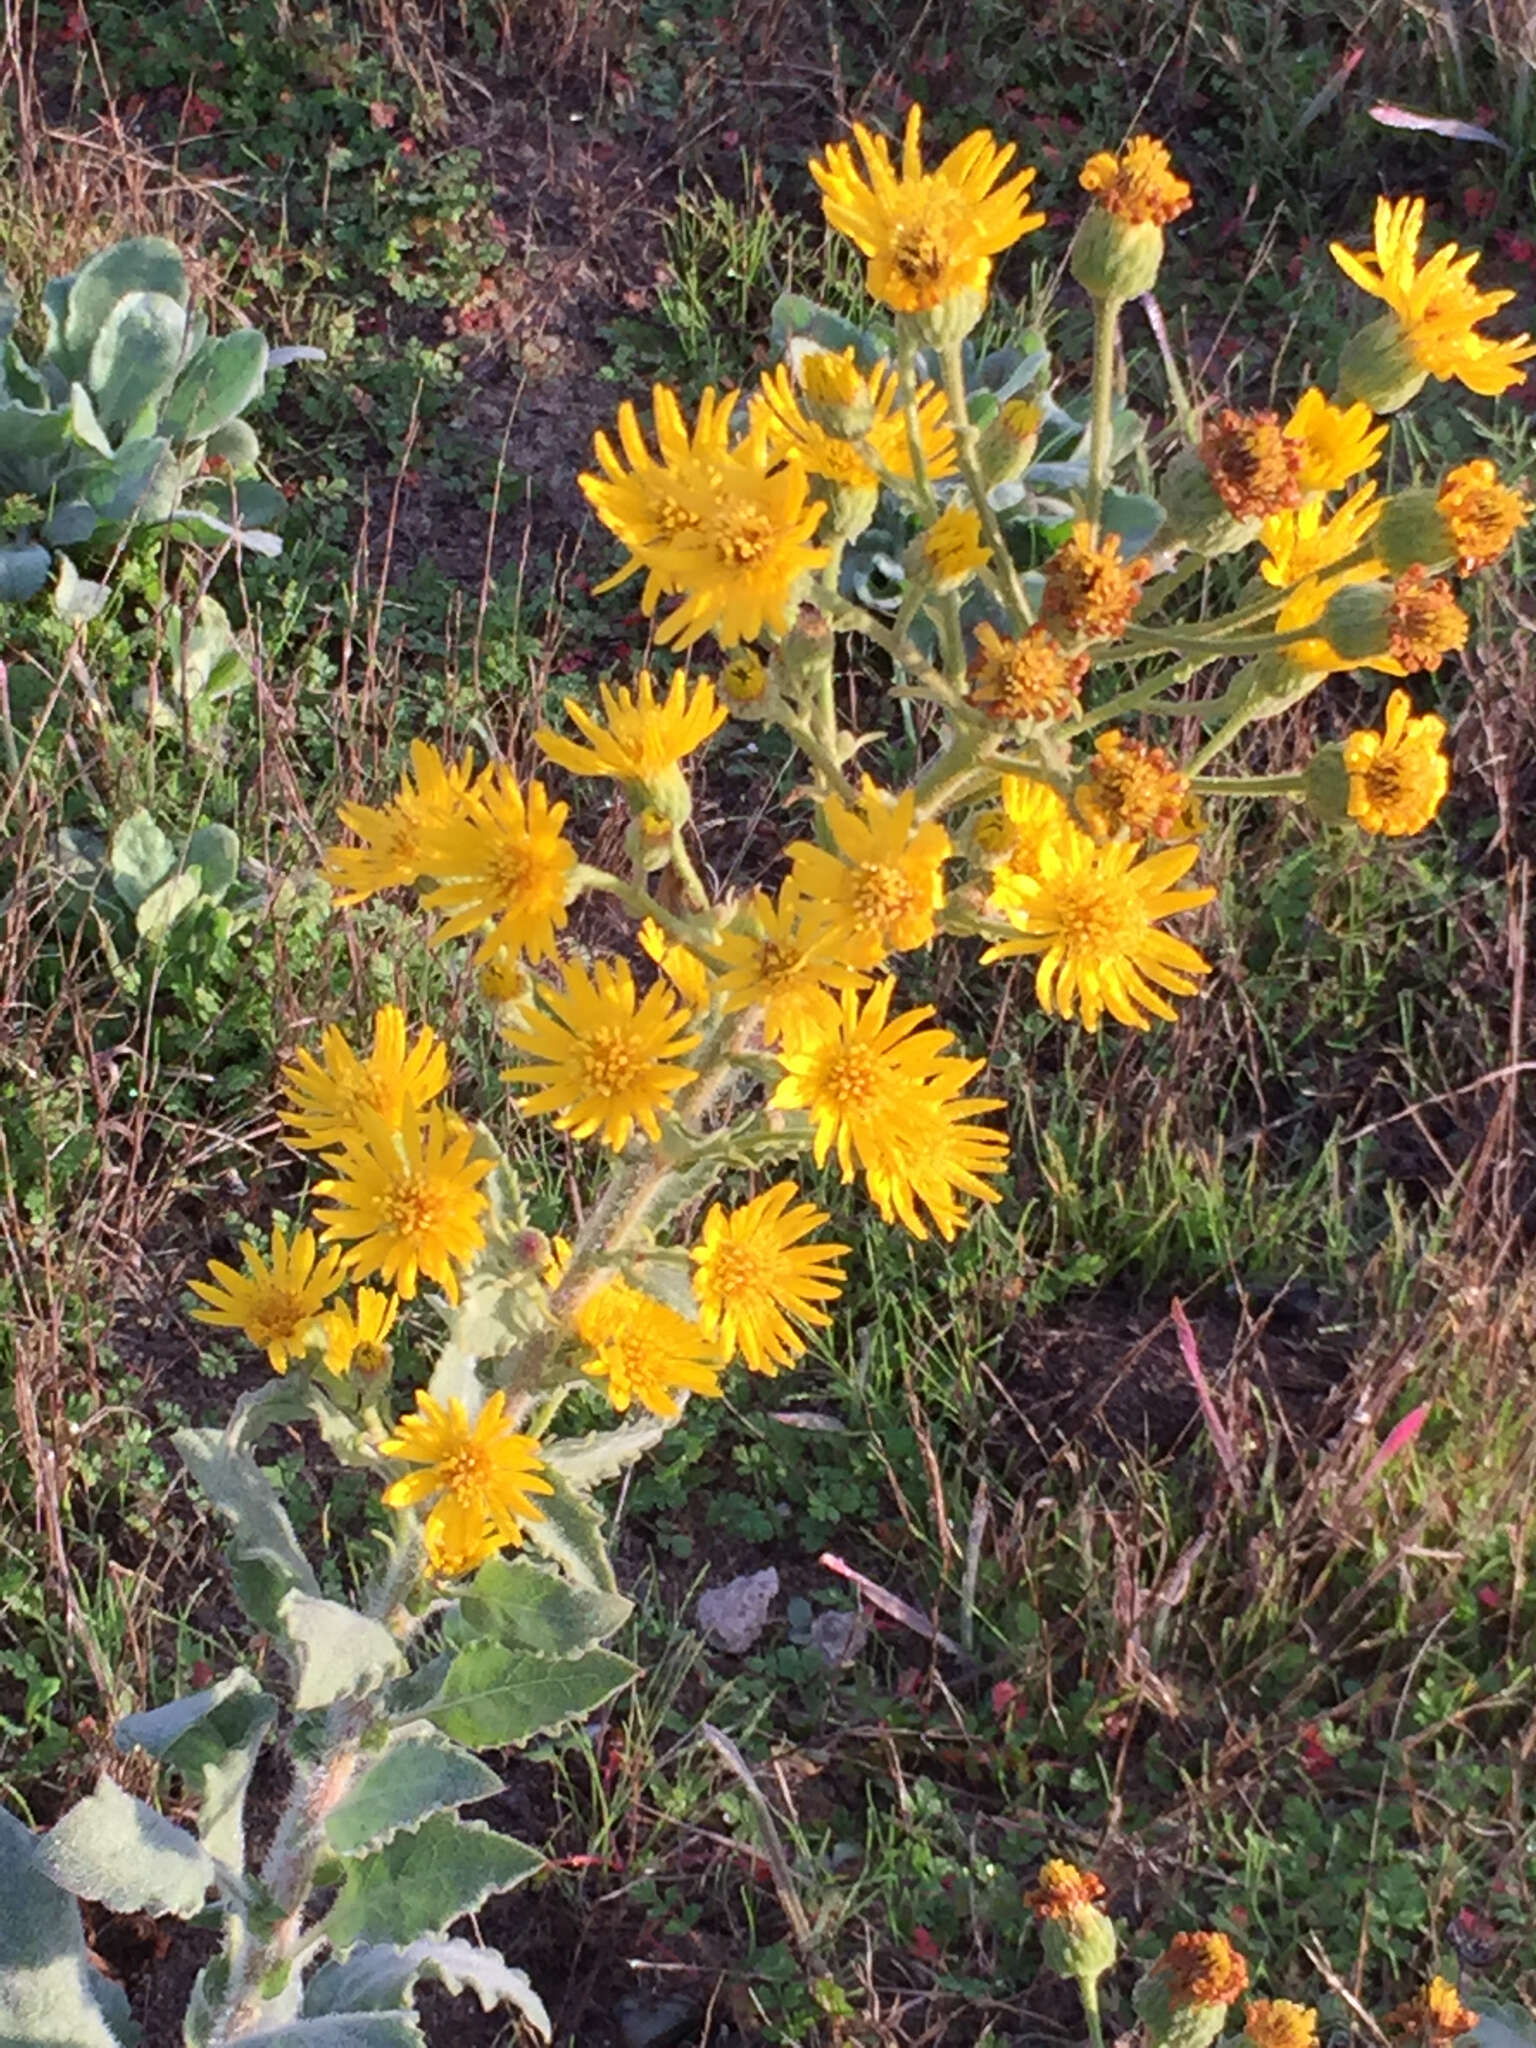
(1133, 791)
(1433, 2017)
(1426, 621)
(1139, 185)
(1029, 678)
(1090, 593)
(1253, 465)
(1202, 1969)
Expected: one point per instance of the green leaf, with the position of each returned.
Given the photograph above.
(1134, 518)
(214, 852)
(243, 1494)
(135, 356)
(115, 1849)
(141, 484)
(1502, 2026)
(335, 1651)
(524, 1606)
(570, 1533)
(212, 1738)
(23, 571)
(146, 263)
(46, 1994)
(75, 598)
(416, 1776)
(37, 452)
(343, 2030)
(216, 386)
(84, 423)
(140, 857)
(70, 523)
(174, 897)
(236, 444)
(588, 1461)
(381, 1979)
(493, 1697)
(422, 1882)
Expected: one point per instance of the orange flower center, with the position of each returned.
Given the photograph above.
(1092, 920)
(882, 896)
(851, 1080)
(1029, 678)
(370, 1357)
(918, 256)
(413, 1208)
(743, 537)
(1203, 1969)
(1089, 592)
(736, 1270)
(671, 517)
(1253, 465)
(277, 1314)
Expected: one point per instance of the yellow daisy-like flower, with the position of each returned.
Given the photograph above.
(1139, 185)
(357, 1333)
(1304, 549)
(1336, 442)
(433, 792)
(1436, 304)
(780, 957)
(884, 1095)
(648, 503)
(644, 1350)
(1398, 777)
(1009, 838)
(758, 1285)
(1483, 514)
(639, 737)
(483, 1477)
(929, 235)
(856, 460)
(407, 1202)
(602, 1062)
(396, 1081)
(1433, 2017)
(883, 884)
(277, 1305)
(951, 551)
(506, 865)
(1279, 2023)
(1026, 680)
(684, 969)
(1091, 913)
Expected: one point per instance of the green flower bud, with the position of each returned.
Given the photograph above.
(943, 324)
(1080, 1946)
(1357, 621)
(1378, 365)
(1197, 519)
(1182, 2000)
(1009, 440)
(1274, 684)
(1113, 258)
(664, 794)
(1413, 532)
(850, 508)
(1326, 786)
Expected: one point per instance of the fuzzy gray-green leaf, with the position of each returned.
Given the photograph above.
(416, 1776)
(135, 357)
(216, 386)
(494, 1697)
(570, 1533)
(115, 1849)
(380, 1978)
(140, 857)
(145, 263)
(213, 1739)
(45, 1980)
(335, 1651)
(422, 1882)
(243, 1494)
(525, 1606)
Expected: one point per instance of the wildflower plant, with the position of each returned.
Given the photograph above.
(951, 522)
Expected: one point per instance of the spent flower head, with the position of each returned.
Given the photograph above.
(1139, 185)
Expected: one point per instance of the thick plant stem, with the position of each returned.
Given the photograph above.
(1250, 785)
(1106, 325)
(288, 1874)
(1088, 1991)
(906, 362)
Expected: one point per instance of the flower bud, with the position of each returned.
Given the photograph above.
(836, 393)
(1112, 258)
(747, 686)
(1378, 366)
(1197, 518)
(1009, 440)
(1413, 532)
(1077, 1935)
(1325, 786)
(1415, 620)
(663, 794)
(1182, 2001)
(1273, 684)
(947, 554)
(850, 508)
(648, 842)
(1357, 621)
(942, 325)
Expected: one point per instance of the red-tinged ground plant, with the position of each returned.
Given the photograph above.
(967, 537)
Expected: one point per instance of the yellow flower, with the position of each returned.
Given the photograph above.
(1201, 1969)
(278, 1306)
(410, 1200)
(1062, 1889)
(744, 682)
(1279, 2023)
(856, 460)
(885, 880)
(638, 737)
(358, 1335)
(485, 1476)
(1253, 466)
(684, 969)
(504, 865)
(1090, 593)
(1433, 2017)
(1133, 791)
(1027, 680)
(780, 956)
(1010, 838)
(1336, 442)
(395, 1082)
(601, 1062)
(1397, 777)
(1138, 186)
(393, 837)
(649, 503)
(1437, 306)
(738, 570)
(757, 1285)
(1090, 913)
(950, 552)
(646, 1351)
(1484, 515)
(929, 235)
(1302, 548)
(885, 1096)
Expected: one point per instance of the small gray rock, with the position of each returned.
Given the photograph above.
(839, 1635)
(733, 1617)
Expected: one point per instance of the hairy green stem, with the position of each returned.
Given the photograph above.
(1250, 785)
(906, 385)
(968, 443)
(1088, 1991)
(1106, 325)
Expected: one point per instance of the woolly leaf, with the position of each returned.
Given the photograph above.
(342, 2030)
(46, 1983)
(115, 1849)
(262, 1534)
(140, 857)
(592, 1460)
(23, 572)
(135, 357)
(212, 1738)
(172, 899)
(525, 1606)
(216, 386)
(81, 305)
(416, 1776)
(420, 1883)
(570, 1533)
(493, 1697)
(381, 1979)
(335, 1651)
